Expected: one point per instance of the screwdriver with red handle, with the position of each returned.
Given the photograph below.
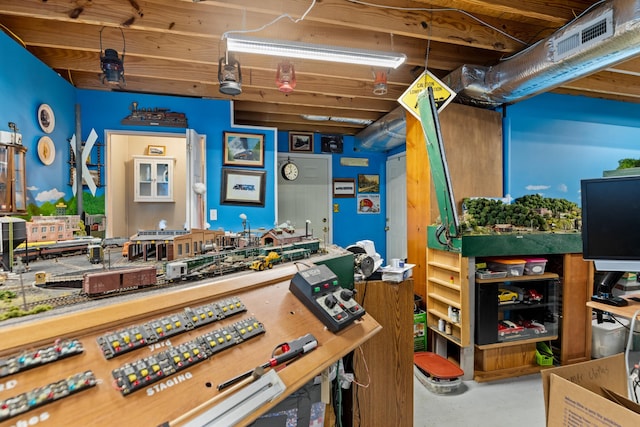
(288, 351)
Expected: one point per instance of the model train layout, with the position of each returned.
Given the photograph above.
(137, 275)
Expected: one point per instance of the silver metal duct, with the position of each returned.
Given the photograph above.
(601, 38)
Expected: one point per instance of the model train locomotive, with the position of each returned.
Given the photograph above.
(51, 249)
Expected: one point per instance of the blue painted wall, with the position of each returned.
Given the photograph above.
(104, 110)
(25, 85)
(348, 225)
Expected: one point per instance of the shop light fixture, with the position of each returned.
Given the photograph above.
(291, 49)
(350, 120)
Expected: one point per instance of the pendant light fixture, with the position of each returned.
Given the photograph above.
(379, 82)
(229, 75)
(286, 77)
(111, 65)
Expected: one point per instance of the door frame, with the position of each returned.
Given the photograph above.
(282, 158)
(110, 186)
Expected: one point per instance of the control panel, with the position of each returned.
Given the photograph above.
(319, 290)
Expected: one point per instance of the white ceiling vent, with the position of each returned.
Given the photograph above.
(582, 36)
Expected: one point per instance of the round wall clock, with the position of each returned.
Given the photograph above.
(46, 118)
(290, 171)
(46, 150)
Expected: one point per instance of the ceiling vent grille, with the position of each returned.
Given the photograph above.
(583, 36)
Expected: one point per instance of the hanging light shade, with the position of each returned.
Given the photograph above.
(229, 76)
(286, 77)
(379, 82)
(111, 64)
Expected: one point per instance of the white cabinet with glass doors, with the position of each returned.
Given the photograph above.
(153, 177)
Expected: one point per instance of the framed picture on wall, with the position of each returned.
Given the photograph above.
(344, 187)
(301, 142)
(368, 183)
(331, 143)
(243, 149)
(156, 150)
(243, 187)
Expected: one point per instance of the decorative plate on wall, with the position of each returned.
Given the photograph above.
(46, 150)
(46, 118)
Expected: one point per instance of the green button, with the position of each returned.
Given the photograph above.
(316, 289)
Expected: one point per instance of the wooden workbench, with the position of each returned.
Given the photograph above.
(266, 296)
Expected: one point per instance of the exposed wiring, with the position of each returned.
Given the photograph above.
(366, 369)
(441, 9)
(14, 35)
(284, 15)
(445, 9)
(633, 380)
(70, 77)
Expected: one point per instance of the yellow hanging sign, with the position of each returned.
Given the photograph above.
(442, 93)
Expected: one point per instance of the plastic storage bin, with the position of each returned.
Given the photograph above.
(534, 266)
(513, 266)
(608, 338)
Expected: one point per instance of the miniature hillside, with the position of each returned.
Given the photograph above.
(526, 213)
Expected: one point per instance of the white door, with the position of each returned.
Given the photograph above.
(196, 181)
(307, 198)
(397, 206)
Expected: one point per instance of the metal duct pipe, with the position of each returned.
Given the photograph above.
(599, 39)
(606, 36)
(384, 134)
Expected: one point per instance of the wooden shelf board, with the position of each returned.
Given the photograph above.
(440, 282)
(525, 278)
(447, 267)
(516, 342)
(444, 300)
(443, 316)
(451, 338)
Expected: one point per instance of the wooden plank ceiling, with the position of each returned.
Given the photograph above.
(173, 47)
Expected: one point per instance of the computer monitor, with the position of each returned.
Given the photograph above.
(611, 223)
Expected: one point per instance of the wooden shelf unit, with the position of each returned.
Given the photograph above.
(451, 281)
(447, 286)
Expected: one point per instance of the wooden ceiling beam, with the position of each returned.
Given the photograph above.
(329, 19)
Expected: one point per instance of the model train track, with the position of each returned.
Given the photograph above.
(60, 301)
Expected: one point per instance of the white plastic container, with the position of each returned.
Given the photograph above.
(534, 266)
(608, 338)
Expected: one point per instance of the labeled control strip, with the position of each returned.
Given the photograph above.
(122, 341)
(141, 373)
(42, 395)
(28, 359)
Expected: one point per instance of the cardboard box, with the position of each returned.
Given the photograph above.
(592, 393)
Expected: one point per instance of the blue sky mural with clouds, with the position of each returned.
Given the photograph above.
(549, 155)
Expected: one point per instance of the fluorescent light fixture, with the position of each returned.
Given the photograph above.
(290, 49)
(336, 119)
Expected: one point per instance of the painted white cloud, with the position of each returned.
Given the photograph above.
(563, 188)
(537, 187)
(32, 188)
(50, 195)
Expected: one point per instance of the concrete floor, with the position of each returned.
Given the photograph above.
(503, 403)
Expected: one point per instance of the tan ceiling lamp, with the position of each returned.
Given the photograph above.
(229, 76)
(379, 82)
(286, 77)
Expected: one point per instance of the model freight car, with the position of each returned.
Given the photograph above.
(111, 281)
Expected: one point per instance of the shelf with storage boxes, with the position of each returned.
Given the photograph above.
(517, 308)
(567, 275)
